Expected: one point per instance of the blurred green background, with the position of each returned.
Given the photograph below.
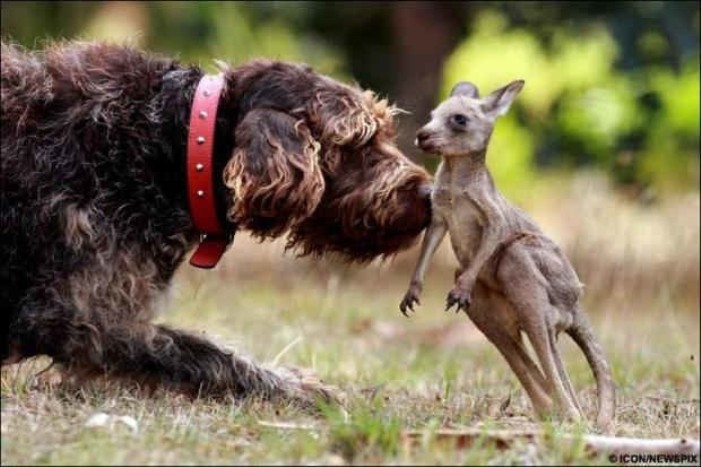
(601, 148)
(610, 86)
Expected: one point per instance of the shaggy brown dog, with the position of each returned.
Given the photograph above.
(94, 214)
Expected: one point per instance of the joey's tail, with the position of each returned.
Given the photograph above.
(582, 333)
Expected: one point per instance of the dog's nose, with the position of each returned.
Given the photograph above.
(425, 190)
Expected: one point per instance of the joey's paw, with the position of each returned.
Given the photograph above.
(460, 297)
(410, 298)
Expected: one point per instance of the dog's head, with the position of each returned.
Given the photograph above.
(318, 158)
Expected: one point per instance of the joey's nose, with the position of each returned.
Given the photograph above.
(421, 136)
(424, 140)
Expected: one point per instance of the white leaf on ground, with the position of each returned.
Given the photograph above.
(129, 421)
(99, 419)
(103, 419)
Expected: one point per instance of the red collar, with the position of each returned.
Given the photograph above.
(200, 173)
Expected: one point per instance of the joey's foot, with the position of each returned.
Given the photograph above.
(460, 297)
(410, 298)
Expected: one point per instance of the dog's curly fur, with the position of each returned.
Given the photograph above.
(94, 217)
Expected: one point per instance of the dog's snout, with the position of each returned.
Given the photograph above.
(425, 190)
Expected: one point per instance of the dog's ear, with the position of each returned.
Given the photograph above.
(465, 88)
(498, 102)
(274, 173)
(342, 116)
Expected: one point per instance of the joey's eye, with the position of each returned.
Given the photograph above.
(459, 119)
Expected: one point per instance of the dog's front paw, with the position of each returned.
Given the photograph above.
(410, 298)
(305, 387)
(458, 296)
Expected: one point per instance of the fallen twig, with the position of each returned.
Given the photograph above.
(594, 444)
(504, 439)
(287, 426)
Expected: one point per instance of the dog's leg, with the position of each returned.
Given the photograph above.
(157, 356)
(197, 366)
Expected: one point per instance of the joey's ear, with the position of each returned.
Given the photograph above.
(464, 88)
(498, 102)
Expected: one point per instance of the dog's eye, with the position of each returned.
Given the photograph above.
(460, 119)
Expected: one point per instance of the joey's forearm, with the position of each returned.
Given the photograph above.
(493, 226)
(488, 245)
(432, 239)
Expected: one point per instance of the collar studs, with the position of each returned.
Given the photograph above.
(214, 237)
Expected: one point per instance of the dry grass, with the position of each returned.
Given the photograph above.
(640, 265)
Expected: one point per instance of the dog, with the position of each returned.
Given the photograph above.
(97, 208)
(512, 277)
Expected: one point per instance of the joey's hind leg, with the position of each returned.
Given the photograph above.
(562, 371)
(525, 289)
(495, 319)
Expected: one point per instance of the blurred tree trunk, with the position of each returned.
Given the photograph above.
(424, 34)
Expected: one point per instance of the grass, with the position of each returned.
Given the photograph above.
(431, 371)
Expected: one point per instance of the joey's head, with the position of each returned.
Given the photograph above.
(463, 123)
